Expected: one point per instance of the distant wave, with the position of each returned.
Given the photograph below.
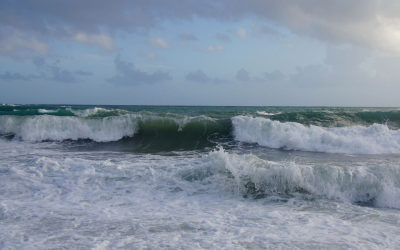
(374, 139)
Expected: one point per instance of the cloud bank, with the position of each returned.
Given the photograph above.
(369, 23)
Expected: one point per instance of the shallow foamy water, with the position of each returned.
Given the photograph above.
(55, 197)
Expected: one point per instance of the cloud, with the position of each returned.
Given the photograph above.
(62, 75)
(188, 37)
(38, 61)
(215, 48)
(101, 40)
(263, 30)
(223, 37)
(51, 73)
(159, 43)
(19, 45)
(128, 74)
(241, 32)
(342, 66)
(274, 76)
(369, 23)
(8, 76)
(198, 76)
(242, 75)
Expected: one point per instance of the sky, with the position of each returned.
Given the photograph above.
(208, 52)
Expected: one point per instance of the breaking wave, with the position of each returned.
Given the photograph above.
(59, 128)
(198, 131)
(254, 177)
(149, 130)
(374, 139)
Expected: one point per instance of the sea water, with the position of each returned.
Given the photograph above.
(199, 177)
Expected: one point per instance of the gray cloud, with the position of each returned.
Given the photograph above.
(128, 74)
(367, 23)
(62, 75)
(38, 61)
(274, 76)
(8, 76)
(198, 76)
(243, 75)
(50, 73)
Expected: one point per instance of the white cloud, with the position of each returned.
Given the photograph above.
(101, 40)
(159, 43)
(241, 32)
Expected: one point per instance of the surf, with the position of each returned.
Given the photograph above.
(373, 139)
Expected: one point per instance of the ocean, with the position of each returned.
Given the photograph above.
(180, 177)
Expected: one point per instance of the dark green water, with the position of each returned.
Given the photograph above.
(166, 128)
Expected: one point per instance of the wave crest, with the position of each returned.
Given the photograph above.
(149, 130)
(58, 128)
(374, 139)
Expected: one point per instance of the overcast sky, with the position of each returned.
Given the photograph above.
(208, 52)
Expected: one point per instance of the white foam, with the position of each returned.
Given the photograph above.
(363, 184)
(96, 111)
(374, 139)
(44, 111)
(266, 113)
(53, 198)
(58, 128)
(101, 129)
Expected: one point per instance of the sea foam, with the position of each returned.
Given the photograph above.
(374, 139)
(248, 174)
(58, 128)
